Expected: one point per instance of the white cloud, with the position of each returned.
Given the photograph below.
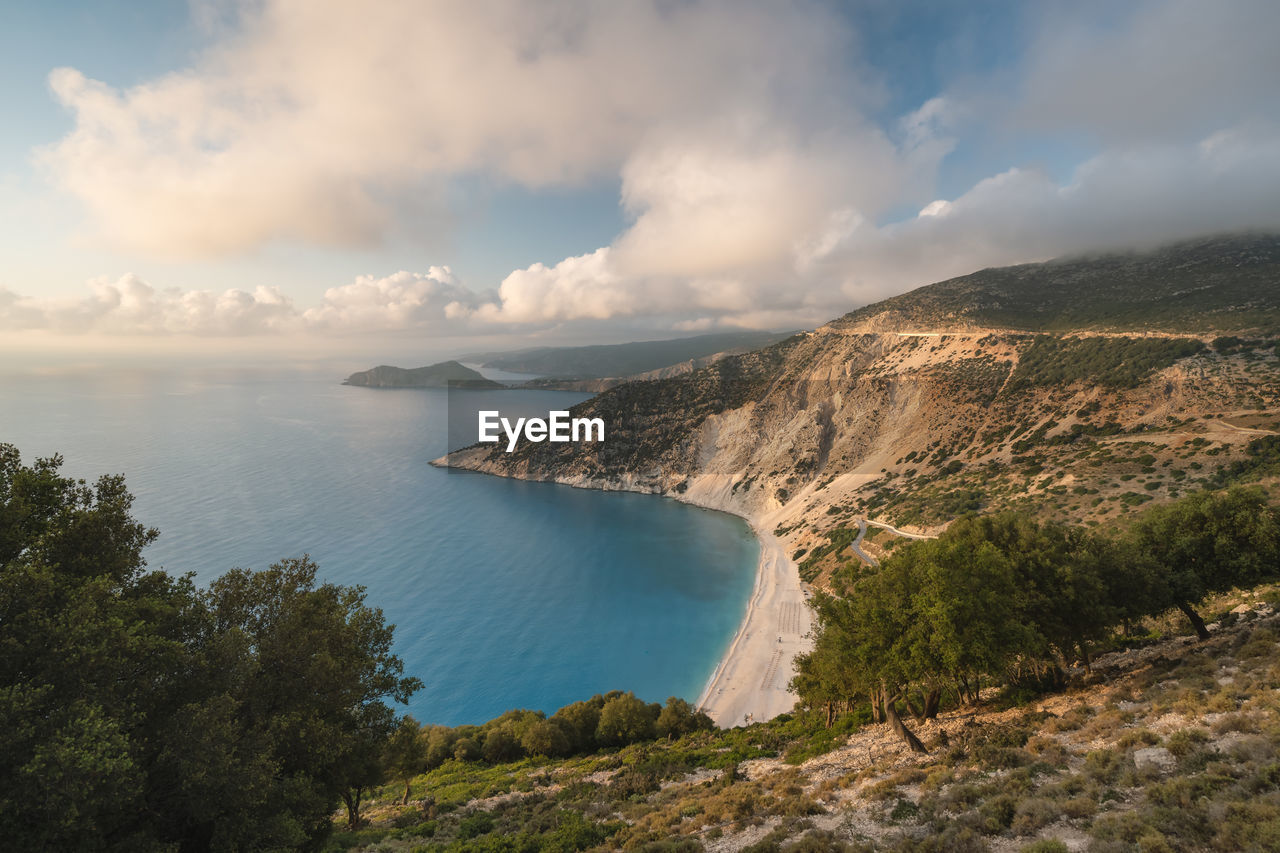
(397, 302)
(130, 306)
(309, 119)
(756, 187)
(417, 302)
(938, 207)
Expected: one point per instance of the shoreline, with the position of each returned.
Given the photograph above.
(750, 679)
(749, 683)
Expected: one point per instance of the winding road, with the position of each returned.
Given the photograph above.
(856, 545)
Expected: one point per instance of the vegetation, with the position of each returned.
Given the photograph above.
(446, 374)
(1109, 362)
(1005, 600)
(1222, 283)
(143, 713)
(1169, 745)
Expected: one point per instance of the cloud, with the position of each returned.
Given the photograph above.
(131, 306)
(1126, 197)
(1129, 197)
(1154, 70)
(758, 188)
(418, 302)
(309, 120)
(405, 300)
(818, 261)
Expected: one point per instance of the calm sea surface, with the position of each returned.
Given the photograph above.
(504, 593)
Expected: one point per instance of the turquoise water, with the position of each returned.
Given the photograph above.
(504, 593)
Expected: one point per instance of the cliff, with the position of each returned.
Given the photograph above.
(920, 408)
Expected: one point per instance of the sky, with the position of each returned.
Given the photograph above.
(421, 177)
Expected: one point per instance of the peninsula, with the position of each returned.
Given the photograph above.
(445, 374)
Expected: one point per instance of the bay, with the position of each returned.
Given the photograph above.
(504, 593)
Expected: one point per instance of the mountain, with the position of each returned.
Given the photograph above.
(443, 375)
(619, 360)
(955, 398)
(1215, 284)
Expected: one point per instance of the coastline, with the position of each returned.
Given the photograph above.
(749, 684)
(750, 679)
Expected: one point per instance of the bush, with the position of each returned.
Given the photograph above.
(625, 719)
(1033, 814)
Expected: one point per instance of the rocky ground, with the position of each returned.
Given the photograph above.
(1173, 744)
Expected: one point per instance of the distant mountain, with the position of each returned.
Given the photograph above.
(618, 360)
(442, 375)
(1214, 284)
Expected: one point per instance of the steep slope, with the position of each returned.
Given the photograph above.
(913, 411)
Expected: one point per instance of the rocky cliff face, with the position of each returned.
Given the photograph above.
(868, 416)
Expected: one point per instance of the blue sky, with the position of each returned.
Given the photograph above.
(286, 172)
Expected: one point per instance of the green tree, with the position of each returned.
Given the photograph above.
(501, 744)
(405, 755)
(547, 737)
(311, 670)
(678, 718)
(582, 719)
(625, 719)
(141, 713)
(1210, 542)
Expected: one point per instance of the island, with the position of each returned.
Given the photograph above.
(446, 374)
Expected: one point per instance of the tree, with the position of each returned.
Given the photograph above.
(500, 744)
(547, 737)
(1210, 542)
(993, 597)
(441, 743)
(142, 713)
(405, 755)
(625, 719)
(678, 718)
(582, 719)
(314, 670)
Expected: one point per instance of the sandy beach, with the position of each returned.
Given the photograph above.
(751, 680)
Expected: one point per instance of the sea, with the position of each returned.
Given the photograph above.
(504, 594)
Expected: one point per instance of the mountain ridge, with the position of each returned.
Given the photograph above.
(1222, 283)
(861, 418)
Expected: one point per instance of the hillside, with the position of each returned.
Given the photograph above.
(630, 359)
(1215, 285)
(913, 428)
(1170, 745)
(443, 375)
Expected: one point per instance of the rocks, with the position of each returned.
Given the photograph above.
(1155, 758)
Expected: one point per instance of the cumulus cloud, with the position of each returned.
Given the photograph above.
(405, 300)
(757, 188)
(1121, 198)
(418, 302)
(309, 118)
(130, 306)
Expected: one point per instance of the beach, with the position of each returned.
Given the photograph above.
(750, 683)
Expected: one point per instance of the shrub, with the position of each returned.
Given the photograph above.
(1033, 814)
